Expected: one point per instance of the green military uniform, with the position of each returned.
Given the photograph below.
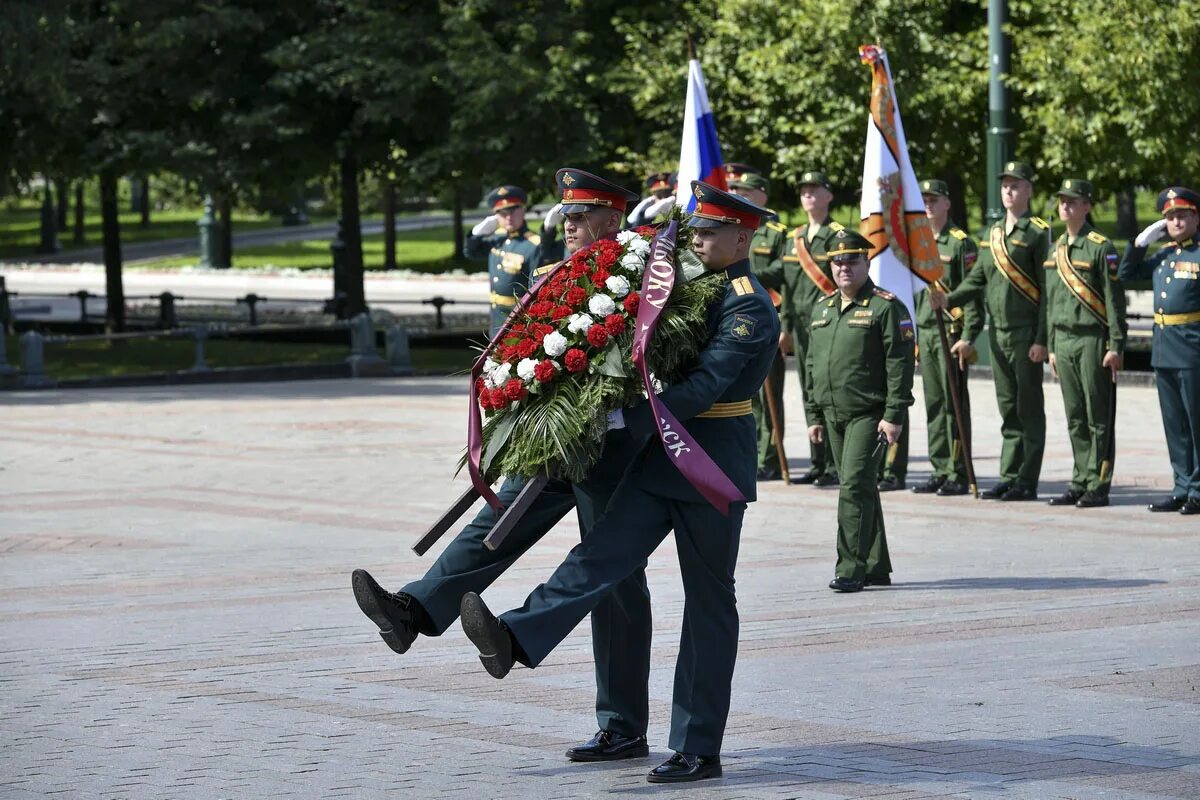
(860, 371)
(1010, 278)
(512, 256)
(1175, 270)
(1085, 318)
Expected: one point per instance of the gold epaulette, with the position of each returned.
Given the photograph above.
(1097, 237)
(533, 238)
(542, 270)
(836, 226)
(985, 244)
(777, 226)
(742, 285)
(884, 293)
(1039, 222)
(958, 233)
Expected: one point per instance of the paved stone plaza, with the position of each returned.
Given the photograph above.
(177, 620)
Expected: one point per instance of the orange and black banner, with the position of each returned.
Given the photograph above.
(809, 265)
(1027, 287)
(1085, 294)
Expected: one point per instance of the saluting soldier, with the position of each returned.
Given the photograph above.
(713, 402)
(766, 252)
(1175, 270)
(513, 251)
(958, 254)
(660, 196)
(860, 375)
(1010, 278)
(1085, 317)
(807, 279)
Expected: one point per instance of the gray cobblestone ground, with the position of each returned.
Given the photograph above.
(176, 620)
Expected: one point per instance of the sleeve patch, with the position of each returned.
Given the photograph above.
(906, 329)
(1111, 258)
(969, 259)
(743, 326)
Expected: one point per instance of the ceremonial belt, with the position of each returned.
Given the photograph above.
(722, 410)
(810, 267)
(1177, 319)
(1024, 285)
(506, 300)
(1071, 278)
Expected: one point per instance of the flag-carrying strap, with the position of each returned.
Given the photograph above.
(1024, 285)
(809, 265)
(1086, 295)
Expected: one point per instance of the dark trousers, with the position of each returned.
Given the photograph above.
(1179, 399)
(621, 623)
(624, 537)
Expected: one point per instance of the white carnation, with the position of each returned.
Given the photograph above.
(633, 262)
(525, 369)
(499, 376)
(579, 323)
(601, 305)
(625, 237)
(618, 285)
(639, 246)
(555, 344)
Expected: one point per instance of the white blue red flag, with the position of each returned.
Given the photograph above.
(904, 254)
(700, 153)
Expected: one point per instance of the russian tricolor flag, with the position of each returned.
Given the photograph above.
(700, 153)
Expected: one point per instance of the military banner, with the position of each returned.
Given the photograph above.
(904, 254)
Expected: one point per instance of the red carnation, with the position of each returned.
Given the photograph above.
(600, 276)
(631, 303)
(646, 230)
(480, 389)
(544, 371)
(606, 258)
(526, 348)
(560, 312)
(597, 336)
(614, 324)
(575, 296)
(575, 359)
(579, 270)
(517, 328)
(514, 389)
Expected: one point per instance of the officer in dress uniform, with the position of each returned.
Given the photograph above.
(807, 279)
(660, 196)
(766, 252)
(512, 250)
(1175, 270)
(860, 375)
(1010, 278)
(621, 622)
(958, 255)
(1085, 317)
(713, 402)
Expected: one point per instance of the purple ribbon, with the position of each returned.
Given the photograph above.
(687, 454)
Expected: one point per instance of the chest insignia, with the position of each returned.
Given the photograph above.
(864, 313)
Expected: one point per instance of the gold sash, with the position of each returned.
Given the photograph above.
(1085, 294)
(1025, 285)
(809, 265)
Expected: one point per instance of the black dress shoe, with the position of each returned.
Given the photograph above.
(828, 479)
(996, 492)
(1170, 504)
(1019, 493)
(1068, 498)
(1092, 500)
(609, 746)
(1192, 506)
(846, 585)
(890, 485)
(768, 474)
(952, 489)
(395, 614)
(930, 486)
(877, 580)
(683, 767)
(807, 478)
(488, 635)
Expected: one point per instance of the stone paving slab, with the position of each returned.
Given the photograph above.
(176, 620)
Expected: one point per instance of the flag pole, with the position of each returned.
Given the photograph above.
(768, 389)
(951, 376)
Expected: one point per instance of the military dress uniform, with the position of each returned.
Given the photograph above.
(860, 371)
(1175, 270)
(1010, 278)
(713, 401)
(1085, 318)
(512, 256)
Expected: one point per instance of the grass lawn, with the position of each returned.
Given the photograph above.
(143, 356)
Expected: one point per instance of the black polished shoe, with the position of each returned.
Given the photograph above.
(683, 767)
(1068, 498)
(1092, 500)
(809, 477)
(877, 580)
(996, 492)
(828, 479)
(609, 746)
(846, 585)
(890, 485)
(1170, 504)
(488, 635)
(1017, 493)
(768, 474)
(395, 614)
(952, 489)
(1192, 506)
(930, 486)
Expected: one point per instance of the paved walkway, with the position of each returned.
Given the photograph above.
(177, 620)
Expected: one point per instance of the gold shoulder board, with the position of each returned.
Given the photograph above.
(776, 226)
(958, 233)
(886, 295)
(1039, 222)
(742, 285)
(1097, 237)
(836, 226)
(533, 238)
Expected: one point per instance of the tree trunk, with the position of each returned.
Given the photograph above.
(61, 187)
(389, 225)
(111, 224)
(1127, 221)
(80, 235)
(224, 250)
(146, 202)
(356, 301)
(458, 223)
(958, 199)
